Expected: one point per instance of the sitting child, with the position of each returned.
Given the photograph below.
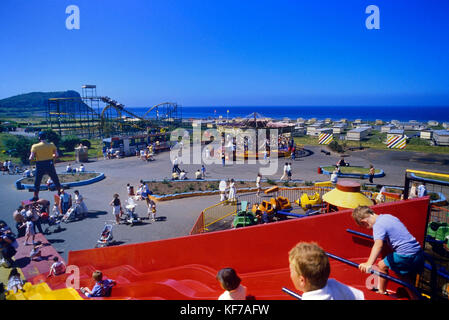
(102, 288)
(55, 211)
(230, 281)
(57, 268)
(175, 176)
(69, 213)
(407, 258)
(309, 272)
(105, 235)
(198, 175)
(35, 253)
(15, 283)
(182, 175)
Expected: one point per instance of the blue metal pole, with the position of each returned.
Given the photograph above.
(292, 293)
(377, 273)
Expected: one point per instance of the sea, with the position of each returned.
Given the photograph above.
(402, 114)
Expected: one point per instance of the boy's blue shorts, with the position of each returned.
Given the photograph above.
(405, 265)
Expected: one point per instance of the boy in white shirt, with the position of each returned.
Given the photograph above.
(309, 271)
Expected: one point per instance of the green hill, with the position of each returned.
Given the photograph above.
(35, 103)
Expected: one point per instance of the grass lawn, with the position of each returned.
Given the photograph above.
(64, 178)
(429, 176)
(178, 186)
(95, 150)
(351, 170)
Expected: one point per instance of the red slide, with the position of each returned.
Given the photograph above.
(185, 268)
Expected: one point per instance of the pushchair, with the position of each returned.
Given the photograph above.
(73, 214)
(51, 221)
(106, 237)
(130, 215)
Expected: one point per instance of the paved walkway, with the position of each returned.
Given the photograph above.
(181, 214)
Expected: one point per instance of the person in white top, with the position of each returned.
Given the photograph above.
(232, 190)
(309, 272)
(231, 282)
(334, 175)
(79, 202)
(413, 191)
(222, 187)
(284, 174)
(259, 177)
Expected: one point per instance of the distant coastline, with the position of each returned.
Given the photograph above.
(403, 114)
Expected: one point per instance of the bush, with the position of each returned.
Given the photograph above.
(52, 136)
(334, 146)
(271, 182)
(19, 147)
(70, 142)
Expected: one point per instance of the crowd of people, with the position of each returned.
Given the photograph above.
(143, 193)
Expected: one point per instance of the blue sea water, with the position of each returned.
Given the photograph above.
(403, 114)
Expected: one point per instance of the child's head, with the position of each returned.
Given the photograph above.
(228, 279)
(13, 273)
(55, 259)
(309, 266)
(115, 195)
(362, 216)
(97, 275)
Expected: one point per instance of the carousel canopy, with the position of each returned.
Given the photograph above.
(347, 195)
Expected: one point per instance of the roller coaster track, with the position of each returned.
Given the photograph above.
(157, 107)
(117, 106)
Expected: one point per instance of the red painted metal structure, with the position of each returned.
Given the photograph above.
(185, 268)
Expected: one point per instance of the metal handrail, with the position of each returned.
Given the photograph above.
(292, 293)
(377, 273)
(360, 234)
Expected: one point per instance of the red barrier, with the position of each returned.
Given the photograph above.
(258, 253)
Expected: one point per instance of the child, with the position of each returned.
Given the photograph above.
(230, 281)
(36, 252)
(29, 231)
(309, 272)
(55, 211)
(152, 210)
(259, 189)
(14, 282)
(407, 257)
(57, 268)
(102, 288)
(203, 171)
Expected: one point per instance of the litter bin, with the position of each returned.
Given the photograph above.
(319, 170)
(81, 154)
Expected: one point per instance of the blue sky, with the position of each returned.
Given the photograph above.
(230, 53)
